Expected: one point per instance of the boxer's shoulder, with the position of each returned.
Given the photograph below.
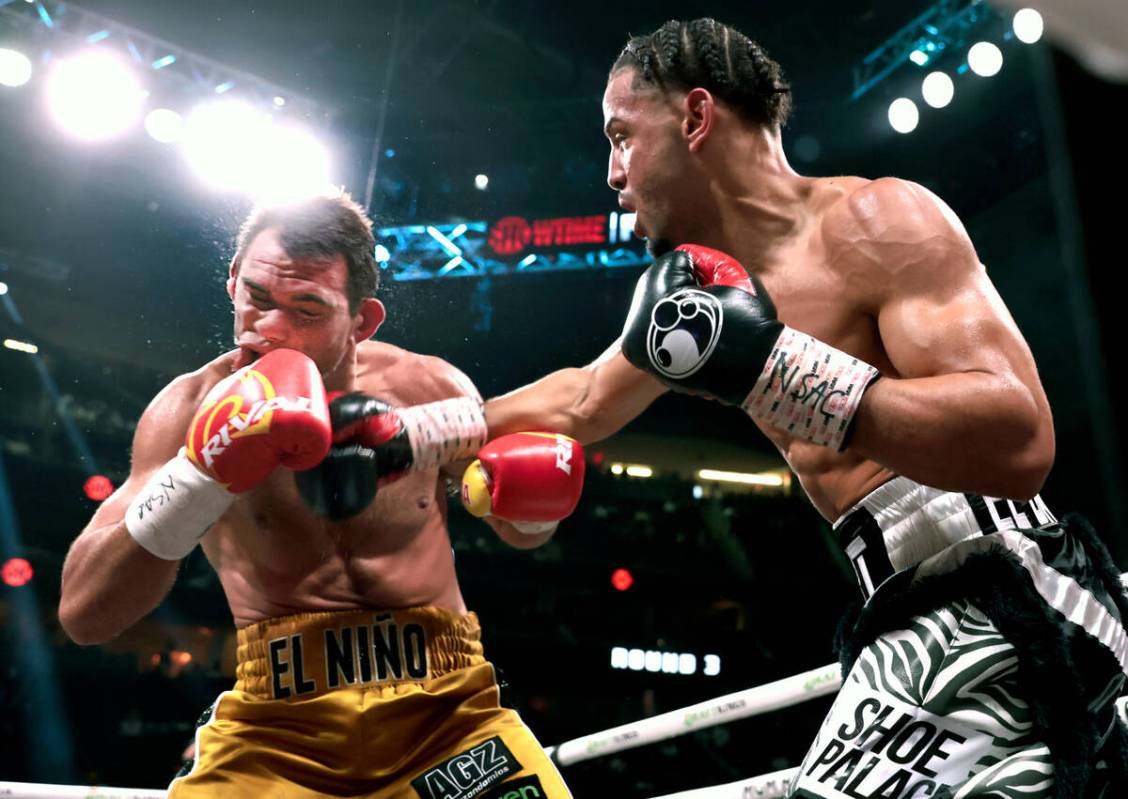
(874, 229)
(415, 378)
(166, 419)
(887, 210)
(191, 387)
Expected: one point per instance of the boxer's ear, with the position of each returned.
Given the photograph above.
(368, 318)
(232, 274)
(699, 115)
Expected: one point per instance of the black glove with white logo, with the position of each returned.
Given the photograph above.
(699, 339)
(702, 325)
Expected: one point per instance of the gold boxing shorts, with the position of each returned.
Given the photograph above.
(394, 705)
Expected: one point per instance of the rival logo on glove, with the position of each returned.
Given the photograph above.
(564, 454)
(212, 431)
(684, 330)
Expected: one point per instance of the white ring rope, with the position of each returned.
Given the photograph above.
(751, 702)
(37, 790)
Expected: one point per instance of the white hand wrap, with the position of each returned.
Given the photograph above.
(534, 528)
(171, 513)
(445, 431)
(809, 389)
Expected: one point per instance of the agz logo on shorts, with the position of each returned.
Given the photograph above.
(684, 329)
(468, 773)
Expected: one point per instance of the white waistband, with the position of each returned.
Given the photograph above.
(918, 521)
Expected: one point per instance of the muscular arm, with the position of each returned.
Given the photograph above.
(109, 580)
(446, 381)
(588, 404)
(966, 410)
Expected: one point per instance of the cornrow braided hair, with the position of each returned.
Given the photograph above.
(709, 54)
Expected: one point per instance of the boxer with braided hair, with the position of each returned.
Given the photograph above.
(703, 52)
(852, 321)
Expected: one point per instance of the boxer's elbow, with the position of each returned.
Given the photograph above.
(88, 616)
(1027, 461)
(83, 625)
(1030, 467)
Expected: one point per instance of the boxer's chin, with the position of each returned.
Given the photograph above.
(658, 247)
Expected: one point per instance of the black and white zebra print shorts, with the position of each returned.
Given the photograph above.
(970, 679)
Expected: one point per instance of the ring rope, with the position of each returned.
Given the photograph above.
(721, 710)
(38, 790)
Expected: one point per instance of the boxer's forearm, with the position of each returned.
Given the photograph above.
(109, 583)
(972, 431)
(587, 404)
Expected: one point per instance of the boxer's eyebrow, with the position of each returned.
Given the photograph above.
(612, 122)
(255, 287)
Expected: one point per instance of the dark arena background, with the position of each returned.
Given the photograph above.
(471, 132)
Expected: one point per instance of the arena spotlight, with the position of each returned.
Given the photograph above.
(1027, 24)
(16, 572)
(20, 346)
(164, 125)
(622, 579)
(481, 182)
(15, 68)
(3, 288)
(294, 165)
(903, 115)
(985, 59)
(937, 89)
(98, 487)
(222, 141)
(745, 478)
(235, 147)
(93, 95)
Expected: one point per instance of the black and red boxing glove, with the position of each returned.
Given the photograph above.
(531, 480)
(268, 414)
(702, 325)
(375, 443)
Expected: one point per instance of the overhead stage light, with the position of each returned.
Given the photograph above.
(746, 478)
(20, 346)
(235, 147)
(93, 95)
(903, 115)
(985, 59)
(1027, 25)
(937, 89)
(15, 68)
(294, 165)
(164, 125)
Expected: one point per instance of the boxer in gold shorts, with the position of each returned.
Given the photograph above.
(385, 704)
(360, 671)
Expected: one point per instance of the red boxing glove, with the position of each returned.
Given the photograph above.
(716, 268)
(270, 413)
(526, 477)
